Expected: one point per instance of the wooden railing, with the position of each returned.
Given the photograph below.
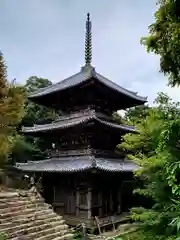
(85, 112)
(102, 222)
(81, 152)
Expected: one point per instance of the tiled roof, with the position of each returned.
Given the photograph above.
(82, 76)
(76, 164)
(67, 122)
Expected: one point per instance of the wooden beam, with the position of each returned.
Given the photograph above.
(119, 200)
(101, 204)
(111, 201)
(89, 202)
(77, 201)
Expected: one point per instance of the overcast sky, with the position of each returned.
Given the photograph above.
(45, 38)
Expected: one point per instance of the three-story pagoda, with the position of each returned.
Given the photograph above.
(83, 175)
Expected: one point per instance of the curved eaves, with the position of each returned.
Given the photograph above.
(74, 122)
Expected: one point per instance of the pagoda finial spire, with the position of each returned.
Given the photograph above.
(88, 42)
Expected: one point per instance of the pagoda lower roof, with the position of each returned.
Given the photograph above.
(86, 73)
(78, 164)
(75, 120)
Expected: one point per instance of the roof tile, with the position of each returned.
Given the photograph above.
(71, 121)
(82, 76)
(76, 164)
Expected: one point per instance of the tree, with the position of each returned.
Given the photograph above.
(11, 111)
(28, 147)
(33, 83)
(163, 39)
(136, 114)
(157, 151)
(35, 113)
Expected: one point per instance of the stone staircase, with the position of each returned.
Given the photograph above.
(25, 216)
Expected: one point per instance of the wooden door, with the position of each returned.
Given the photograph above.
(83, 203)
(106, 203)
(71, 204)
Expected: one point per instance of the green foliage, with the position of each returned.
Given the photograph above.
(3, 77)
(138, 235)
(35, 113)
(117, 117)
(135, 115)
(23, 150)
(157, 151)
(163, 39)
(33, 83)
(77, 235)
(28, 147)
(11, 111)
(3, 236)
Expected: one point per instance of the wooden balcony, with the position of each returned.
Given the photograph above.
(81, 152)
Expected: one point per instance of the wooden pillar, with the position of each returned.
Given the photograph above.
(89, 202)
(111, 202)
(101, 204)
(119, 200)
(54, 194)
(77, 201)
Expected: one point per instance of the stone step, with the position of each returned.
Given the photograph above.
(36, 228)
(64, 237)
(23, 207)
(53, 235)
(44, 234)
(15, 195)
(30, 214)
(28, 221)
(6, 194)
(22, 211)
(26, 216)
(19, 203)
(18, 194)
(9, 200)
(10, 228)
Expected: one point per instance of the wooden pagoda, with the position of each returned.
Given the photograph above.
(84, 174)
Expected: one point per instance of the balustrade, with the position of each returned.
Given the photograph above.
(83, 112)
(80, 152)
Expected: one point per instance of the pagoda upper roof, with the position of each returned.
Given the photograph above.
(75, 120)
(87, 73)
(87, 87)
(78, 164)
